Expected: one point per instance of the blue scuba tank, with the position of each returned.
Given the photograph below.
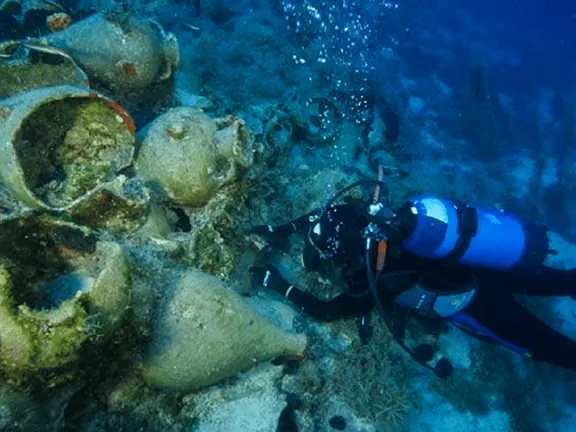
(438, 228)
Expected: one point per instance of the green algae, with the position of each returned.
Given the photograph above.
(21, 76)
(218, 244)
(67, 148)
(57, 335)
(46, 335)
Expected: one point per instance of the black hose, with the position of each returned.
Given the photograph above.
(373, 288)
(372, 285)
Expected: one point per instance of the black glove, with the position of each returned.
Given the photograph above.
(263, 230)
(268, 277)
(274, 237)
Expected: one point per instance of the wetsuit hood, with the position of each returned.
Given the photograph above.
(335, 238)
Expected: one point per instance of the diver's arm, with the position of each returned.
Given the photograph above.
(296, 225)
(341, 306)
(284, 230)
(325, 310)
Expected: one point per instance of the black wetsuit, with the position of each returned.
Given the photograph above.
(493, 305)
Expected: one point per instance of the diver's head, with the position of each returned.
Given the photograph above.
(332, 237)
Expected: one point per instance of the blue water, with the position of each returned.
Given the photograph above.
(478, 100)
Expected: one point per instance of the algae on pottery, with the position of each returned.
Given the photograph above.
(186, 156)
(121, 205)
(59, 143)
(215, 244)
(206, 333)
(61, 291)
(24, 67)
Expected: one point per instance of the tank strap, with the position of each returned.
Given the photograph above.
(467, 229)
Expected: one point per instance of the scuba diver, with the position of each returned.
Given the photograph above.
(442, 259)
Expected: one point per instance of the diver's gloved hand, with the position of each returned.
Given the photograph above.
(269, 277)
(273, 236)
(262, 230)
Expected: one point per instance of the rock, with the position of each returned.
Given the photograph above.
(253, 404)
(565, 256)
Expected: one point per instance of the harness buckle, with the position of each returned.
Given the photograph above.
(374, 232)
